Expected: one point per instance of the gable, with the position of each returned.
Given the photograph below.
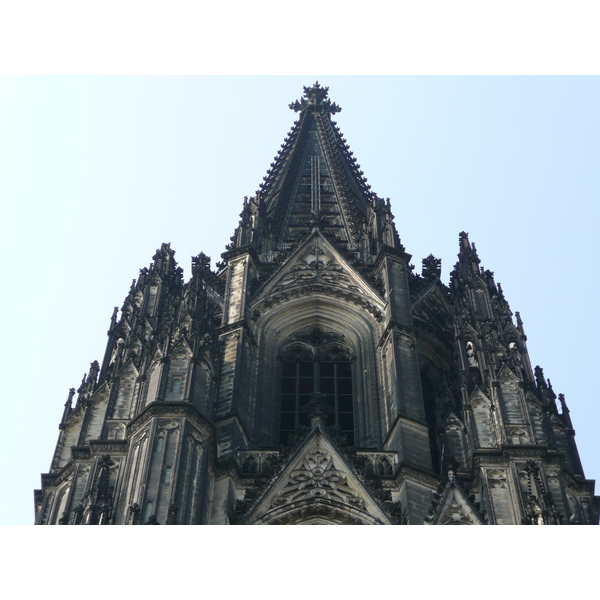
(316, 261)
(479, 398)
(317, 485)
(454, 507)
(507, 375)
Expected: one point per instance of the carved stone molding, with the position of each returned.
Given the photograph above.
(118, 447)
(172, 409)
(455, 514)
(496, 479)
(406, 473)
(256, 462)
(167, 424)
(327, 514)
(318, 479)
(317, 288)
(317, 265)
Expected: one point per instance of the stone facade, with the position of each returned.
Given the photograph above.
(315, 378)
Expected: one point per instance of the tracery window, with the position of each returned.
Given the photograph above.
(316, 362)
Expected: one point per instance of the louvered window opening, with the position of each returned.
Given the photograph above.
(301, 378)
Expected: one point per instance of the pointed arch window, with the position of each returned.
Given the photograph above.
(316, 364)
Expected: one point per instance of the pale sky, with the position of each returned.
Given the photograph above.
(97, 172)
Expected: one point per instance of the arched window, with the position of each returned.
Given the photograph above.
(316, 362)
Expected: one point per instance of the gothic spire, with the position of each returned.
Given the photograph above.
(313, 179)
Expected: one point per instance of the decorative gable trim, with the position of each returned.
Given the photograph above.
(317, 484)
(453, 507)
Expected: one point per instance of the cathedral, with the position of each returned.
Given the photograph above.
(315, 377)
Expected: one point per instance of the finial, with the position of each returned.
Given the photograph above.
(69, 401)
(539, 376)
(318, 409)
(68, 408)
(113, 319)
(563, 404)
(432, 267)
(93, 372)
(316, 97)
(317, 220)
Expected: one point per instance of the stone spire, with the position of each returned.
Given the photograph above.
(314, 180)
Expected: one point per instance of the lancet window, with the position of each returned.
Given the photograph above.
(316, 363)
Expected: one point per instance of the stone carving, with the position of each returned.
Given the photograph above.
(318, 514)
(384, 466)
(318, 288)
(196, 437)
(259, 463)
(314, 246)
(519, 435)
(497, 479)
(316, 336)
(369, 464)
(455, 514)
(539, 507)
(134, 513)
(316, 97)
(168, 425)
(472, 355)
(552, 475)
(480, 401)
(116, 431)
(318, 478)
(317, 266)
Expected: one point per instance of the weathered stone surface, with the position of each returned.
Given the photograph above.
(315, 378)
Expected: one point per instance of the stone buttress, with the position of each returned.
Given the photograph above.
(315, 377)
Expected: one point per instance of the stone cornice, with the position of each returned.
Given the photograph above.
(232, 327)
(55, 479)
(178, 409)
(411, 472)
(248, 250)
(112, 447)
(401, 419)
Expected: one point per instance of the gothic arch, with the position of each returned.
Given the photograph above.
(318, 513)
(357, 330)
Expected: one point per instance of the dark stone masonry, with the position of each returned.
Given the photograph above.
(315, 378)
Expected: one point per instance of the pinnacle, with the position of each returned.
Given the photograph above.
(316, 98)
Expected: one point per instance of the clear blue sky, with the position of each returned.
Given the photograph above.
(96, 172)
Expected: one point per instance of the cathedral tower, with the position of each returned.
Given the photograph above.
(315, 378)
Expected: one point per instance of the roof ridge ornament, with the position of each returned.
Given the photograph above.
(316, 97)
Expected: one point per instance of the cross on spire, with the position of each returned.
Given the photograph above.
(316, 97)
